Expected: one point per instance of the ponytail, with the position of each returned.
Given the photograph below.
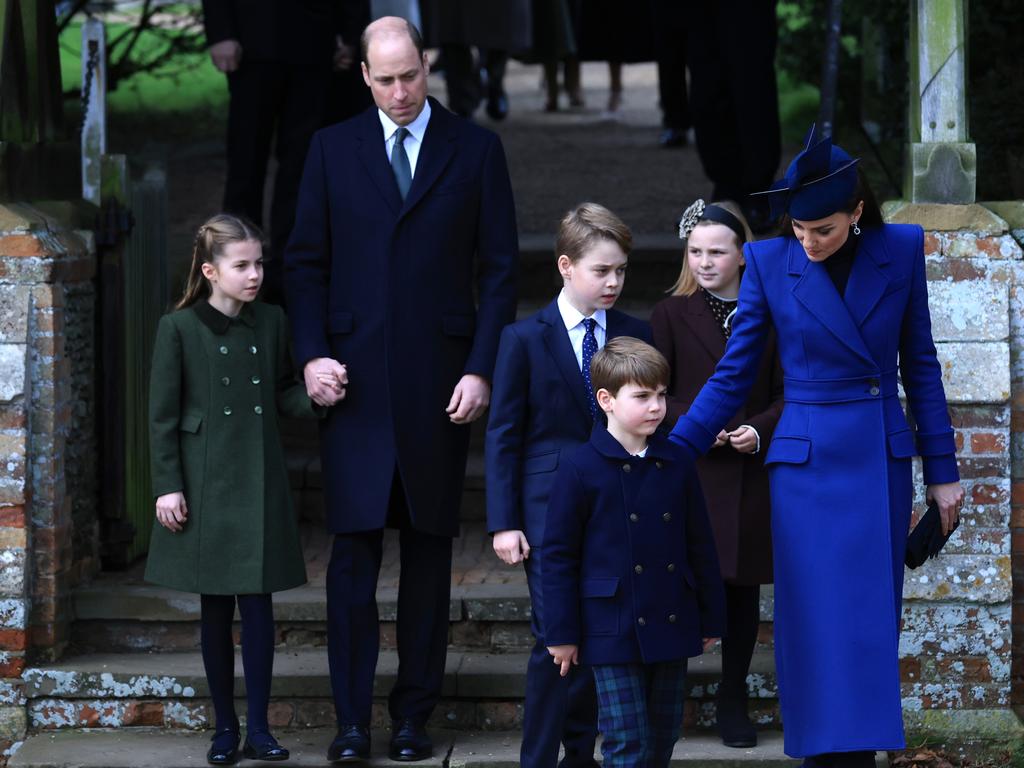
(218, 232)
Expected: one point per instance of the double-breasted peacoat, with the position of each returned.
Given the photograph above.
(410, 295)
(840, 470)
(735, 484)
(215, 392)
(630, 572)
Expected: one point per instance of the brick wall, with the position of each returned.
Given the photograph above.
(45, 367)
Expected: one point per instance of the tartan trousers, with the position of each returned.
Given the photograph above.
(639, 712)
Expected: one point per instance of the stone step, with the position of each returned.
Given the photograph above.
(144, 747)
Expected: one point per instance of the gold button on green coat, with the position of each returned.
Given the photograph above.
(241, 536)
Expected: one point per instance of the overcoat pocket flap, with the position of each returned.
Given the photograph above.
(901, 444)
(190, 422)
(339, 322)
(542, 462)
(458, 325)
(788, 450)
(599, 586)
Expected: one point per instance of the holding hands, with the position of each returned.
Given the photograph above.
(326, 380)
(742, 439)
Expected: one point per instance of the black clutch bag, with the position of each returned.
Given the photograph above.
(926, 540)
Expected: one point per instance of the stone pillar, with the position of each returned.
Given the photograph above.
(41, 264)
(957, 639)
(941, 165)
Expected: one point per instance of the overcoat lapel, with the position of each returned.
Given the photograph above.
(816, 292)
(868, 280)
(557, 342)
(374, 157)
(435, 154)
(704, 326)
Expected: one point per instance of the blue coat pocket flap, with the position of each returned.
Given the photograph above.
(599, 586)
(542, 462)
(339, 322)
(901, 444)
(788, 450)
(190, 422)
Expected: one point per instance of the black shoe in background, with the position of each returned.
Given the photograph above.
(734, 726)
(351, 744)
(671, 138)
(497, 104)
(409, 741)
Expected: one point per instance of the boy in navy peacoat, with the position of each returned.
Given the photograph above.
(541, 409)
(631, 575)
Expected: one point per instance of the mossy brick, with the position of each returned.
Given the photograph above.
(943, 217)
(13, 538)
(985, 416)
(12, 371)
(969, 311)
(11, 664)
(48, 296)
(980, 731)
(13, 723)
(14, 312)
(970, 578)
(975, 372)
(12, 571)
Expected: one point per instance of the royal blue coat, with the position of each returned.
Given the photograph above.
(387, 287)
(630, 570)
(839, 470)
(539, 409)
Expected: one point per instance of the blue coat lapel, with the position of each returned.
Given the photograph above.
(816, 292)
(868, 281)
(374, 156)
(435, 154)
(557, 342)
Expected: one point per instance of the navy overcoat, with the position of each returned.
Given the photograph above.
(630, 571)
(387, 288)
(839, 470)
(539, 409)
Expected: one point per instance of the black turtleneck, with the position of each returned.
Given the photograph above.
(840, 263)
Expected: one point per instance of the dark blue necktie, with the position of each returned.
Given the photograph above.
(400, 162)
(589, 350)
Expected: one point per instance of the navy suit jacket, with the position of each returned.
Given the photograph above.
(538, 409)
(387, 287)
(630, 570)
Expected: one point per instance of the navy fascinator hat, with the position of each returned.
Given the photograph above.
(818, 182)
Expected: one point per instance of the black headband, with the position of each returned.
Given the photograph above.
(699, 212)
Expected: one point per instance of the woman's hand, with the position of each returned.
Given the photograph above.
(171, 511)
(949, 497)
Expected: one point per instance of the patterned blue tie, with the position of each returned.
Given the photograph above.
(589, 350)
(400, 162)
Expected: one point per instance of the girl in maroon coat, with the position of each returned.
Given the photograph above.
(691, 329)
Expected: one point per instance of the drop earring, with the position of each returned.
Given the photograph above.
(856, 229)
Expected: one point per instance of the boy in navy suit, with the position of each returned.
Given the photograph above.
(541, 406)
(631, 574)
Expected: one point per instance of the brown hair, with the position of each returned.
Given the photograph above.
(218, 231)
(587, 223)
(625, 360)
(686, 283)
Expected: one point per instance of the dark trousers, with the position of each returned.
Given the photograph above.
(733, 100)
(462, 76)
(353, 630)
(670, 24)
(267, 99)
(743, 616)
(640, 712)
(218, 647)
(558, 710)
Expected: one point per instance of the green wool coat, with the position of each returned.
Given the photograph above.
(216, 389)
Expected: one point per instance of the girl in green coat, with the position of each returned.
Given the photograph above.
(221, 375)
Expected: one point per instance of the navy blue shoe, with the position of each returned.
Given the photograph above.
(224, 749)
(409, 742)
(350, 745)
(260, 745)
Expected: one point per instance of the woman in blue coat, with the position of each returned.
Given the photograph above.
(847, 297)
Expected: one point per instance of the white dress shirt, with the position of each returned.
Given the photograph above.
(573, 320)
(417, 128)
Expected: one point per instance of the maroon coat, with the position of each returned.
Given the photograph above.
(735, 484)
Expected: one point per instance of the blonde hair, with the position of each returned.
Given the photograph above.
(686, 283)
(587, 223)
(625, 360)
(218, 231)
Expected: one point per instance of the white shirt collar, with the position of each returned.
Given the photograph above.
(417, 128)
(573, 317)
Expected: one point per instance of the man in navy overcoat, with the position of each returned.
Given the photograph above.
(400, 208)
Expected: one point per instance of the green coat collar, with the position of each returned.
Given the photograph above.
(217, 321)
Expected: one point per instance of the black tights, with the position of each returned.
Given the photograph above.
(218, 646)
(743, 615)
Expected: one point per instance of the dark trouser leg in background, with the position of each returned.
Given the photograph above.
(743, 615)
(557, 709)
(666, 696)
(257, 612)
(216, 615)
(670, 46)
(462, 79)
(353, 632)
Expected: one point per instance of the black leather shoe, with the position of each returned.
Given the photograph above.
(409, 741)
(671, 138)
(351, 744)
(734, 725)
(497, 105)
(260, 745)
(224, 750)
